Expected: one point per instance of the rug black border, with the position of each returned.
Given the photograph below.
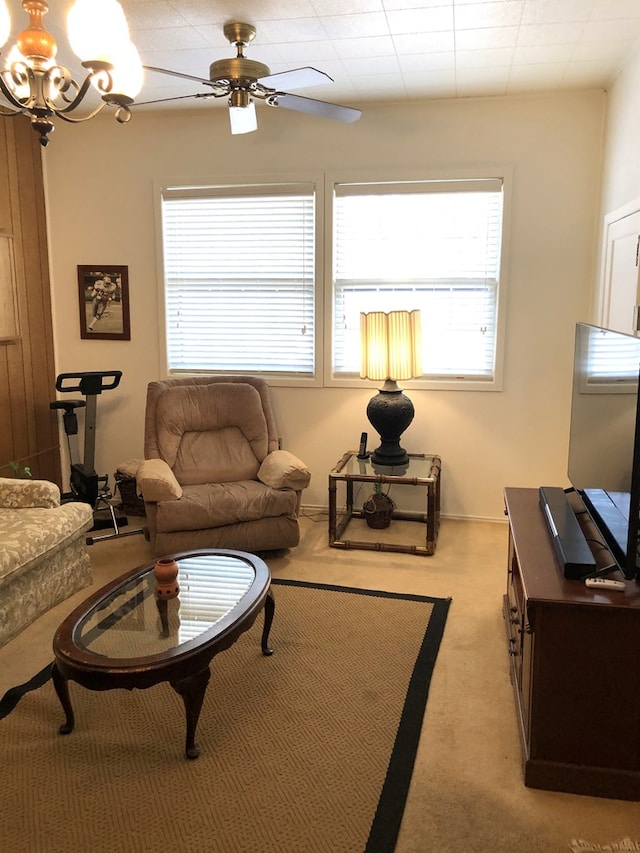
(395, 789)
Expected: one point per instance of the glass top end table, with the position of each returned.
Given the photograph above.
(423, 471)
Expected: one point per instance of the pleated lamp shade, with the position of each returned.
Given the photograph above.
(391, 345)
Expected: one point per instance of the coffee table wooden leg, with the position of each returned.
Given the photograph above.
(62, 689)
(269, 610)
(192, 690)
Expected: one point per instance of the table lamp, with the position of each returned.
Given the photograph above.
(391, 349)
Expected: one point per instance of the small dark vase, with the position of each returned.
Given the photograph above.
(377, 510)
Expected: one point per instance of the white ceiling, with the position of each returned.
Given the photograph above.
(384, 49)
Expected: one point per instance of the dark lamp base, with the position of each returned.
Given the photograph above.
(390, 413)
(392, 456)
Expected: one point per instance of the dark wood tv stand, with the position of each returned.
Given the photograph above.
(575, 666)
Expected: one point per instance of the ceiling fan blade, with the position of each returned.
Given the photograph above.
(202, 80)
(310, 105)
(177, 98)
(297, 78)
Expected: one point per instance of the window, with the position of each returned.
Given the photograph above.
(239, 269)
(245, 289)
(432, 245)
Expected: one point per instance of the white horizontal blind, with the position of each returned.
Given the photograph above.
(239, 266)
(612, 362)
(428, 245)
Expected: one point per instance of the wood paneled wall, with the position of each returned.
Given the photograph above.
(28, 428)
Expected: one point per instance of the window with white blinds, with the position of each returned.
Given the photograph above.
(428, 245)
(239, 268)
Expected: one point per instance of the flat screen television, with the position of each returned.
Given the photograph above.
(604, 438)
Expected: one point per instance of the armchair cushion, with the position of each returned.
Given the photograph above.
(212, 435)
(213, 505)
(28, 494)
(283, 470)
(157, 482)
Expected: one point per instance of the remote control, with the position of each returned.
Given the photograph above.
(605, 583)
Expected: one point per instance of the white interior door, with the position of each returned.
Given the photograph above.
(619, 287)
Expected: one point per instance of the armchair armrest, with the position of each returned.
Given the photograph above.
(25, 494)
(157, 482)
(282, 470)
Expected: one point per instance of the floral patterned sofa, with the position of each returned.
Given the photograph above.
(43, 558)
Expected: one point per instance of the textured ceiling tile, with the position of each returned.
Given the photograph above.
(355, 26)
(554, 12)
(425, 42)
(489, 38)
(505, 14)
(428, 20)
(587, 37)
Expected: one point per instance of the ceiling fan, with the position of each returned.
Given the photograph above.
(241, 80)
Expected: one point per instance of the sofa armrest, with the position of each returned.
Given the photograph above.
(157, 482)
(282, 470)
(27, 494)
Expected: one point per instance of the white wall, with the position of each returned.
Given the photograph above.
(621, 171)
(99, 180)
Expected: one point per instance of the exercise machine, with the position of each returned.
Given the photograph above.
(86, 485)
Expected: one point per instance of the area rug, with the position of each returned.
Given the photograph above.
(310, 750)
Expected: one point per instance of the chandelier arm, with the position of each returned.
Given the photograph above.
(100, 77)
(19, 75)
(60, 81)
(71, 119)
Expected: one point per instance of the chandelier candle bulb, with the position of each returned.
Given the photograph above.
(97, 29)
(5, 23)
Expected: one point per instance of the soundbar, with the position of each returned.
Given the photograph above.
(569, 542)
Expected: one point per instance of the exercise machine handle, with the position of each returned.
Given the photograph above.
(89, 383)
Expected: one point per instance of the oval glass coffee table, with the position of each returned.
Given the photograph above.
(125, 636)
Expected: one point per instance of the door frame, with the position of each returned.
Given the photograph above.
(612, 218)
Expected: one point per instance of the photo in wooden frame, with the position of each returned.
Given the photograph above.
(103, 292)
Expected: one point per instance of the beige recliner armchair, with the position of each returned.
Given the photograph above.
(213, 476)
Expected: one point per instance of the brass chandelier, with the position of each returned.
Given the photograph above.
(32, 83)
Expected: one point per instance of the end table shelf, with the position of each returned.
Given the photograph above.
(423, 470)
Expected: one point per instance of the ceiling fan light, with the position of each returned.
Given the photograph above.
(97, 29)
(243, 119)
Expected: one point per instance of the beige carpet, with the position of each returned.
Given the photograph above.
(295, 747)
(466, 793)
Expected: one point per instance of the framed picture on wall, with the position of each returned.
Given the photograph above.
(103, 292)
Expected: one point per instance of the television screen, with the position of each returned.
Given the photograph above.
(604, 463)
